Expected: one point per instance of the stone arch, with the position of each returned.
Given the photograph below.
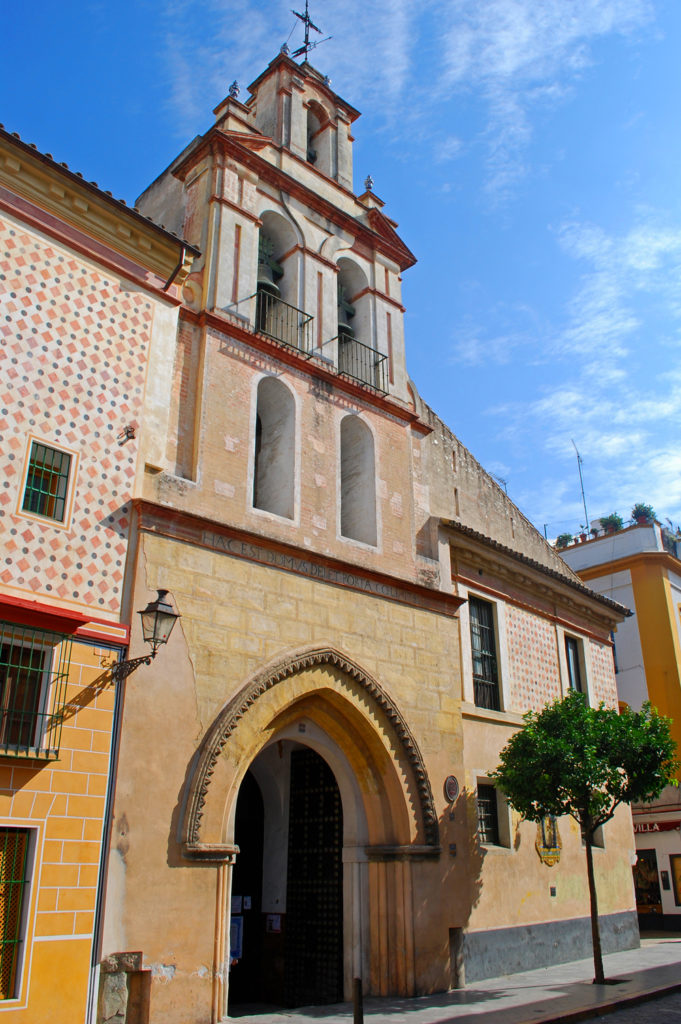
(282, 238)
(385, 751)
(354, 284)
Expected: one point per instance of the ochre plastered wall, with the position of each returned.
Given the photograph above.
(63, 803)
(237, 617)
(660, 641)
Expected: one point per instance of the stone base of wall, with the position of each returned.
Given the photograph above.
(510, 950)
(124, 990)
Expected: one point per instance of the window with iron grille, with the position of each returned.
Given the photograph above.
(47, 482)
(572, 656)
(34, 668)
(488, 814)
(484, 650)
(14, 844)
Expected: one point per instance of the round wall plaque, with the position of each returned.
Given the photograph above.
(451, 788)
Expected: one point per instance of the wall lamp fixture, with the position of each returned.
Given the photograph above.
(158, 619)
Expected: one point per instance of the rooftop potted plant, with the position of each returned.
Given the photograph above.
(563, 540)
(643, 514)
(612, 523)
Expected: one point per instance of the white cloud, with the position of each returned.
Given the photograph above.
(515, 55)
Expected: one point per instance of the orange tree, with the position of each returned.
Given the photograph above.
(573, 759)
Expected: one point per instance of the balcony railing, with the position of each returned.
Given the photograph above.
(34, 667)
(282, 321)
(362, 363)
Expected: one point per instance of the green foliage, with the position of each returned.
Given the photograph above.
(611, 523)
(641, 511)
(563, 539)
(572, 759)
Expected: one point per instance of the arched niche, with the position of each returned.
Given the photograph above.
(357, 481)
(363, 726)
(274, 449)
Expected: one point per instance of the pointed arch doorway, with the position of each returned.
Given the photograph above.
(287, 882)
(321, 700)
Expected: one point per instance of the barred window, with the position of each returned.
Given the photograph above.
(33, 670)
(484, 650)
(488, 814)
(14, 844)
(47, 482)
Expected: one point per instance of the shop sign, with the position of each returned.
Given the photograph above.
(655, 826)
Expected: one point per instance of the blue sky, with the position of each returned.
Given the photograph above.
(530, 150)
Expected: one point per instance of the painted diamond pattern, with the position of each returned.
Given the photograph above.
(72, 367)
(533, 660)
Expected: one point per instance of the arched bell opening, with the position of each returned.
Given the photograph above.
(278, 279)
(357, 356)
(354, 310)
(320, 139)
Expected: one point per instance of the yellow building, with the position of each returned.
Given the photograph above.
(640, 567)
(87, 290)
(303, 790)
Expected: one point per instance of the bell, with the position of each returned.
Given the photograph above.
(346, 312)
(266, 281)
(345, 330)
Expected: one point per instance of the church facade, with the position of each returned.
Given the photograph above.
(302, 794)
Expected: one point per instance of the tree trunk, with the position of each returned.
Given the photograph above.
(599, 976)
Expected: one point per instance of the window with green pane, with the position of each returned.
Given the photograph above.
(13, 884)
(47, 482)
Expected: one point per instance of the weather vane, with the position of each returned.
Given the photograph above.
(309, 24)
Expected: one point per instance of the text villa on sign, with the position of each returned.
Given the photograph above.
(655, 826)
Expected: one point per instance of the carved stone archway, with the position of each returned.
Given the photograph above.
(373, 738)
(200, 838)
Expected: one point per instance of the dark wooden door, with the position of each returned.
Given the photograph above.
(314, 892)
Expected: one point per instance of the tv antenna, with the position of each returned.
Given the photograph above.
(309, 24)
(581, 484)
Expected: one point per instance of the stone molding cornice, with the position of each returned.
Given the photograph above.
(52, 187)
(639, 559)
(378, 236)
(211, 534)
(232, 714)
(236, 328)
(500, 561)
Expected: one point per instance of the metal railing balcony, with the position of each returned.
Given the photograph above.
(34, 667)
(362, 363)
(282, 321)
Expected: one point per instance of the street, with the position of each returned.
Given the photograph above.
(666, 1010)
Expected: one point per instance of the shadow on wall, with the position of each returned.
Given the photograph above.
(461, 885)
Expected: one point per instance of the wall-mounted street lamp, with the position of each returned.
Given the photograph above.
(158, 619)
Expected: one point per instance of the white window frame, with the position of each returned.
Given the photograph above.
(499, 612)
(584, 651)
(504, 829)
(36, 517)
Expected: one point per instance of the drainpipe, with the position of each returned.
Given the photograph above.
(176, 271)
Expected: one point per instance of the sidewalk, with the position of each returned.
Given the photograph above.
(561, 993)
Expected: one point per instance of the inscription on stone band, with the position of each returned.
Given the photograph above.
(303, 566)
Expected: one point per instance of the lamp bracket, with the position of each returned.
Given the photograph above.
(122, 669)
